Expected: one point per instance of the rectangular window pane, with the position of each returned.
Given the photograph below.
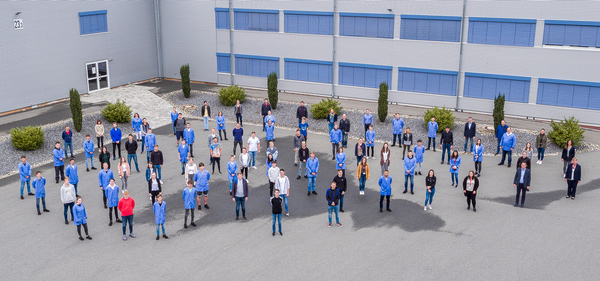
(103, 82)
(498, 32)
(92, 22)
(92, 84)
(367, 26)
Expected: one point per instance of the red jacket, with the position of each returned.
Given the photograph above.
(126, 206)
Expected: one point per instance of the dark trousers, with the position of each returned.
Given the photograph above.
(263, 122)
(66, 208)
(238, 118)
(37, 203)
(59, 170)
(370, 151)
(521, 190)
(240, 201)
(118, 147)
(191, 146)
(341, 201)
(571, 188)
(244, 170)
(154, 194)
(344, 139)
(103, 197)
(334, 148)
(271, 186)
(399, 140)
(504, 153)
(84, 229)
(429, 143)
(406, 147)
(224, 133)
(446, 146)
(127, 219)
(387, 201)
(366, 129)
(187, 211)
(110, 211)
(235, 144)
(216, 160)
(471, 198)
(541, 151)
(100, 142)
(477, 167)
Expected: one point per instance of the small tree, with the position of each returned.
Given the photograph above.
(230, 95)
(443, 116)
(75, 104)
(184, 71)
(382, 107)
(117, 112)
(27, 138)
(272, 86)
(321, 109)
(498, 112)
(565, 130)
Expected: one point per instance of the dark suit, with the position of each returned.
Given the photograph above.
(522, 187)
(264, 111)
(469, 135)
(572, 183)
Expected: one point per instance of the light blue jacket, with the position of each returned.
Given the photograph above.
(221, 122)
(508, 141)
(201, 180)
(24, 171)
(432, 128)
(58, 154)
(270, 130)
(79, 215)
(340, 158)
(385, 185)
(115, 134)
(409, 165)
(478, 151)
(398, 125)
(136, 124)
(312, 166)
(39, 186)
(71, 172)
(267, 118)
(335, 136)
(88, 146)
(104, 178)
(174, 116)
(231, 169)
(112, 196)
(419, 151)
(189, 198)
(370, 136)
(455, 162)
(150, 141)
(189, 136)
(160, 212)
(183, 152)
(367, 119)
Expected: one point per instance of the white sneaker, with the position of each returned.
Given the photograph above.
(254, 167)
(541, 162)
(429, 207)
(287, 214)
(425, 208)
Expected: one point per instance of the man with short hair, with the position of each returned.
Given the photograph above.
(344, 126)
(397, 125)
(522, 182)
(335, 137)
(205, 114)
(201, 178)
(131, 148)
(264, 110)
(282, 184)
(470, 132)
(272, 174)
(115, 136)
(25, 176)
(341, 184)
(385, 185)
(174, 116)
(189, 136)
(367, 121)
(183, 153)
(524, 159)
(59, 163)
(333, 198)
(253, 147)
(238, 134)
(71, 173)
(447, 142)
(302, 111)
(104, 178)
(507, 144)
(211, 138)
(179, 127)
(270, 131)
(149, 143)
(298, 139)
(432, 128)
(67, 136)
(312, 169)
(156, 157)
(240, 196)
(88, 149)
(572, 177)
(303, 155)
(500, 131)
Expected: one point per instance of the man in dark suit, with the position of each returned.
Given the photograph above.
(521, 182)
(302, 111)
(572, 177)
(264, 110)
(470, 131)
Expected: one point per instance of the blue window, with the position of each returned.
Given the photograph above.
(432, 28)
(363, 75)
(223, 62)
(259, 20)
(222, 18)
(93, 22)
(572, 33)
(427, 81)
(575, 94)
(488, 86)
(308, 22)
(367, 25)
(309, 70)
(511, 32)
(256, 65)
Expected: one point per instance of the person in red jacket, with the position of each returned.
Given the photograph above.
(126, 205)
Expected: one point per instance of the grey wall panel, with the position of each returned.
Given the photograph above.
(305, 87)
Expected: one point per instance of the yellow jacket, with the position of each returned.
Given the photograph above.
(359, 169)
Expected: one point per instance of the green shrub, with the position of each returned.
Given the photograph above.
(566, 129)
(498, 112)
(321, 109)
(272, 89)
(228, 96)
(75, 104)
(117, 112)
(27, 138)
(443, 116)
(184, 71)
(382, 103)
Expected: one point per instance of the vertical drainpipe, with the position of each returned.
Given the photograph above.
(231, 58)
(158, 35)
(460, 58)
(334, 70)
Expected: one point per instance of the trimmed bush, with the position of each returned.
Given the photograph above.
(443, 116)
(566, 129)
(184, 71)
(27, 138)
(321, 109)
(117, 112)
(272, 86)
(228, 96)
(382, 103)
(75, 104)
(498, 112)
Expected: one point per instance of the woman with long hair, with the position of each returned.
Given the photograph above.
(221, 125)
(430, 185)
(104, 157)
(454, 166)
(384, 159)
(124, 172)
(478, 156)
(362, 174)
(567, 155)
(470, 185)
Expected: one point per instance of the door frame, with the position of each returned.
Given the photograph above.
(97, 75)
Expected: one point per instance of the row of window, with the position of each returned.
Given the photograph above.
(493, 31)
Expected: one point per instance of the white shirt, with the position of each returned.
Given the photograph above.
(245, 159)
(385, 155)
(253, 143)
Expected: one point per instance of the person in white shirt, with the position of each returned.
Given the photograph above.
(253, 147)
(67, 196)
(283, 185)
(272, 173)
(245, 162)
(190, 170)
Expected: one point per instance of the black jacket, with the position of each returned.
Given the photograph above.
(344, 125)
(475, 185)
(156, 157)
(526, 160)
(303, 153)
(208, 109)
(265, 108)
(577, 176)
(302, 111)
(332, 196)
(363, 147)
(470, 133)
(407, 137)
(430, 181)
(101, 158)
(340, 182)
(571, 154)
(234, 188)
(276, 205)
(334, 118)
(150, 186)
(447, 138)
(131, 147)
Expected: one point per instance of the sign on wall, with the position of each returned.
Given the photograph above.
(18, 24)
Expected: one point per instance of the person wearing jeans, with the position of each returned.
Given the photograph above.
(88, 148)
(39, 184)
(67, 196)
(282, 185)
(174, 116)
(335, 137)
(276, 208)
(397, 124)
(156, 157)
(131, 148)
(500, 130)
(240, 195)
(303, 155)
(447, 141)
(115, 136)
(67, 136)
(409, 172)
(205, 114)
(231, 171)
(333, 198)
(507, 144)
(238, 110)
(149, 143)
(312, 168)
(454, 167)
(25, 176)
(432, 128)
(363, 173)
(341, 185)
(469, 134)
(160, 207)
(253, 146)
(112, 196)
(126, 205)
(344, 125)
(540, 143)
(385, 185)
(430, 191)
(71, 173)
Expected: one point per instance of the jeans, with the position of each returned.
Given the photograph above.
(277, 217)
(205, 122)
(361, 182)
(124, 180)
(344, 139)
(311, 183)
(148, 156)
(91, 158)
(429, 196)
(335, 208)
(366, 129)
(521, 189)
(341, 201)
(571, 188)
(230, 184)
(37, 203)
(429, 143)
(300, 164)
(66, 207)
(384, 167)
(28, 186)
(59, 170)
(235, 144)
(330, 126)
(412, 181)
(387, 201)
(446, 146)
(238, 118)
(70, 146)
(504, 153)
(183, 166)
(498, 146)
(467, 142)
(157, 228)
(240, 201)
(118, 148)
(399, 140)
(173, 128)
(157, 168)
(252, 158)
(134, 157)
(358, 158)
(143, 145)
(454, 177)
(418, 166)
(285, 201)
(127, 219)
(75, 186)
(541, 153)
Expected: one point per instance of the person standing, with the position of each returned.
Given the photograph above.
(385, 185)
(115, 136)
(211, 138)
(273, 174)
(99, 129)
(333, 197)
(301, 112)
(276, 208)
(529, 150)
(345, 127)
(367, 121)
(154, 187)
(71, 173)
(221, 125)
(270, 117)
(126, 205)
(335, 137)
(67, 136)
(342, 185)
(180, 125)
(447, 142)
(112, 195)
(312, 169)
(205, 114)
(370, 138)
(80, 218)
(160, 207)
(25, 176)
(104, 178)
(67, 196)
(359, 151)
(150, 143)
(507, 144)
(231, 171)
(540, 143)
(272, 150)
(500, 131)
(419, 151)
(470, 186)
(215, 152)
(136, 125)
(59, 163)
(39, 184)
(282, 185)
(124, 172)
(298, 139)
(190, 170)
(430, 185)
(407, 140)
(201, 178)
(264, 110)
(363, 173)
(156, 157)
(455, 161)
(174, 116)
(524, 159)
(149, 170)
(270, 131)
(253, 147)
(303, 155)
(131, 148)
(398, 125)
(304, 128)
(88, 149)
(190, 137)
(384, 156)
(340, 161)
(145, 127)
(522, 181)
(183, 153)
(238, 110)
(432, 128)
(104, 157)
(245, 162)
(572, 177)
(478, 157)
(470, 132)
(331, 119)
(409, 172)
(240, 196)
(238, 135)
(568, 153)
(189, 202)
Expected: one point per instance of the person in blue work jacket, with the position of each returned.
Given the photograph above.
(409, 172)
(370, 139)
(201, 178)
(160, 209)
(104, 178)
(145, 126)
(335, 137)
(190, 137)
(174, 116)
(136, 125)
(419, 151)
(115, 136)
(398, 125)
(478, 157)
(432, 128)
(88, 149)
(331, 119)
(312, 169)
(500, 131)
(367, 121)
(270, 131)
(59, 162)
(25, 176)
(268, 117)
(39, 184)
(71, 172)
(149, 143)
(340, 161)
(111, 191)
(385, 191)
(189, 202)
(184, 153)
(80, 218)
(221, 125)
(507, 144)
(231, 171)
(67, 136)
(454, 167)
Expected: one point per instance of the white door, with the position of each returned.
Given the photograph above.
(97, 75)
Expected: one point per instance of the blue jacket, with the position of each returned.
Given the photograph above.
(149, 173)
(237, 134)
(500, 130)
(201, 180)
(269, 165)
(71, 172)
(335, 136)
(174, 116)
(189, 136)
(220, 122)
(67, 137)
(88, 146)
(269, 130)
(58, 154)
(409, 165)
(189, 198)
(385, 185)
(432, 128)
(231, 169)
(79, 215)
(455, 162)
(39, 186)
(183, 152)
(370, 136)
(104, 178)
(312, 166)
(340, 158)
(112, 196)
(136, 124)
(115, 134)
(160, 212)
(398, 125)
(419, 151)
(150, 142)
(508, 141)
(478, 152)
(24, 171)
(367, 119)
(267, 118)
(303, 128)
